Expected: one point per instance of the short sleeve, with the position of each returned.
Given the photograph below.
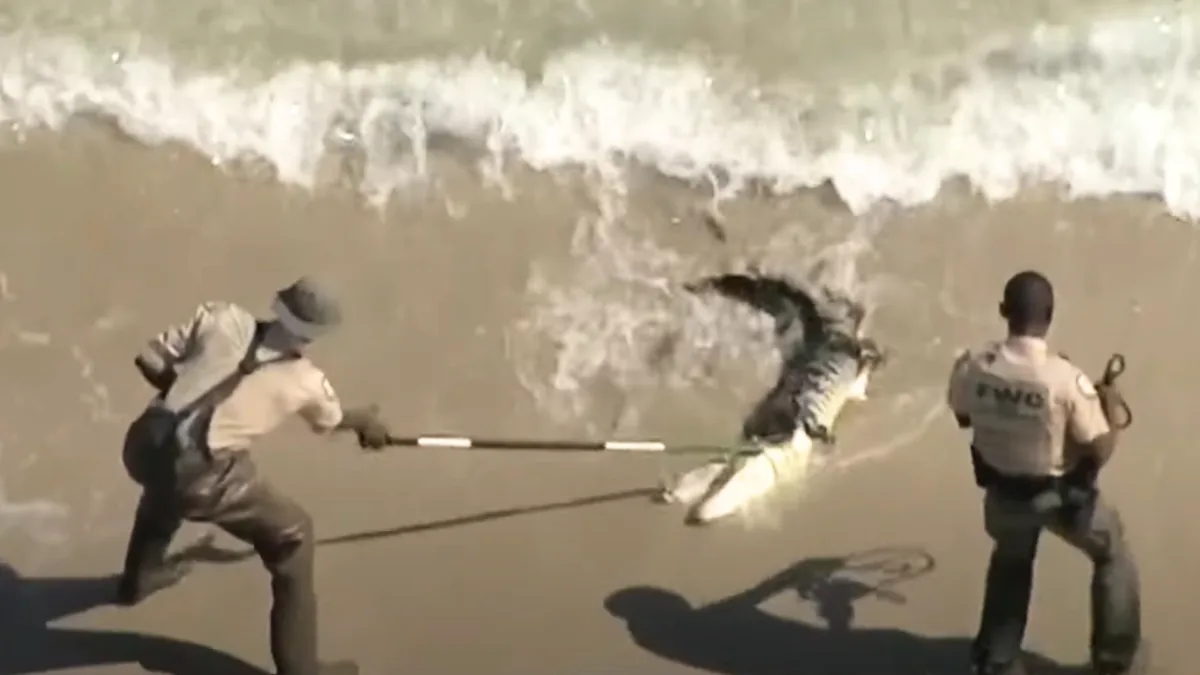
(1085, 416)
(177, 341)
(322, 408)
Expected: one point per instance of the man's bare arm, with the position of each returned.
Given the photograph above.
(325, 414)
(1105, 445)
(954, 390)
(158, 376)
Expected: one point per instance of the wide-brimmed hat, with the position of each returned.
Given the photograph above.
(306, 310)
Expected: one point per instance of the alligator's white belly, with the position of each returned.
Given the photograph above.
(753, 477)
(720, 488)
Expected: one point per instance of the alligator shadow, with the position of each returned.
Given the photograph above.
(735, 637)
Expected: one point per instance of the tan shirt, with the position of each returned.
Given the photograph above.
(1022, 401)
(207, 348)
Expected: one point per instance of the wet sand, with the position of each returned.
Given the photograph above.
(461, 562)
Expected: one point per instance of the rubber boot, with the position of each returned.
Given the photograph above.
(135, 587)
(1014, 668)
(1140, 665)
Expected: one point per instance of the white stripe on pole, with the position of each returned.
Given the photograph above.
(636, 446)
(443, 442)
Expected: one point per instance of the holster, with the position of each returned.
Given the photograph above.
(1079, 486)
(1084, 476)
(985, 476)
(1072, 492)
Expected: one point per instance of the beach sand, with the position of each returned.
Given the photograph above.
(453, 562)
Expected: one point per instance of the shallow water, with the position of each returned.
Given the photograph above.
(627, 123)
(512, 196)
(781, 37)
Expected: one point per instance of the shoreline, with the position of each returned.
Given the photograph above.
(106, 241)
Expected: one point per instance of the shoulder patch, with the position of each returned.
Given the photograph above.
(1064, 357)
(1085, 386)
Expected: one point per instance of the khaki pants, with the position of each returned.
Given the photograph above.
(1094, 528)
(231, 495)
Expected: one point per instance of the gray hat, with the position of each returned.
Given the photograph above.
(306, 310)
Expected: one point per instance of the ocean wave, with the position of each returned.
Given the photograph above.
(1108, 107)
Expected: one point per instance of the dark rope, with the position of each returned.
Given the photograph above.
(1113, 370)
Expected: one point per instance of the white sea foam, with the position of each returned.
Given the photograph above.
(1112, 106)
(1102, 108)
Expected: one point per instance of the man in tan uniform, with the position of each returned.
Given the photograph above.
(1023, 403)
(224, 379)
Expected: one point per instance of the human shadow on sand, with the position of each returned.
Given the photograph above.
(29, 644)
(205, 551)
(735, 637)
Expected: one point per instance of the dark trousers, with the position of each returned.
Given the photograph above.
(232, 496)
(1015, 525)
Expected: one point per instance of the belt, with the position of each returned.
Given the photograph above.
(1075, 489)
(1015, 487)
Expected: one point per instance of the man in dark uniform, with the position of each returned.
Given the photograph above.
(224, 379)
(1041, 432)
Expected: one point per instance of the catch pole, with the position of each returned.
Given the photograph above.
(639, 446)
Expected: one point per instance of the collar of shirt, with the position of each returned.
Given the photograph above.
(1028, 347)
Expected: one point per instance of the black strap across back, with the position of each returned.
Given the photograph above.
(249, 364)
